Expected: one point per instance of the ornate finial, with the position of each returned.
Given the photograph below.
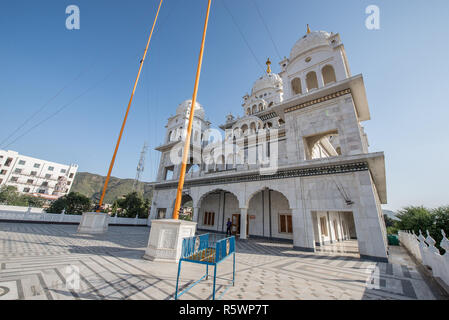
(268, 65)
(308, 29)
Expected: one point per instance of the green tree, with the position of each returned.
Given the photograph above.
(420, 218)
(441, 222)
(415, 219)
(34, 202)
(73, 203)
(132, 204)
(10, 196)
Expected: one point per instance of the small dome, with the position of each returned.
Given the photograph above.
(309, 41)
(184, 109)
(268, 81)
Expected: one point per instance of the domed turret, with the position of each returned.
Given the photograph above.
(184, 108)
(266, 92)
(311, 40)
(317, 60)
(268, 81)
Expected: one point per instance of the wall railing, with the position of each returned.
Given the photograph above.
(424, 250)
(24, 214)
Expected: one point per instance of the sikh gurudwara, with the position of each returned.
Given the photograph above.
(295, 166)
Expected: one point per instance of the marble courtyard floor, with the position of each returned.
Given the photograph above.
(34, 261)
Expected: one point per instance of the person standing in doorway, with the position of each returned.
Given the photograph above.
(228, 227)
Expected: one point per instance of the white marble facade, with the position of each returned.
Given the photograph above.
(323, 184)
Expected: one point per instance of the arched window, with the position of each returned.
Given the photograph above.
(248, 111)
(236, 133)
(252, 128)
(169, 136)
(296, 86)
(244, 129)
(260, 107)
(328, 74)
(268, 125)
(254, 109)
(311, 80)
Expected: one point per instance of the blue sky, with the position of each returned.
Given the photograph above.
(404, 64)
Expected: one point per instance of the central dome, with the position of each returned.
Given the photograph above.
(268, 81)
(184, 109)
(310, 40)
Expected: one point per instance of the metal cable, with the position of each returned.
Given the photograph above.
(60, 109)
(243, 36)
(44, 106)
(268, 30)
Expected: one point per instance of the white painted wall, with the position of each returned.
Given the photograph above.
(24, 214)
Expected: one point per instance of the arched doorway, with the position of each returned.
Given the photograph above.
(186, 210)
(215, 208)
(269, 215)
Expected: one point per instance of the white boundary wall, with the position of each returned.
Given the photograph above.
(424, 250)
(25, 214)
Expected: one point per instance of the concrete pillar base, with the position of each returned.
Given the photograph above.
(166, 237)
(94, 223)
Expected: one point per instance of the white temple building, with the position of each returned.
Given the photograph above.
(295, 166)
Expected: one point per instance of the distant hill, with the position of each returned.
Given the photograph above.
(91, 186)
(390, 214)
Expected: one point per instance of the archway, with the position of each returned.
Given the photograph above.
(328, 73)
(186, 210)
(312, 81)
(215, 208)
(296, 86)
(270, 215)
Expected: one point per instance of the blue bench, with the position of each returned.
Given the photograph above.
(210, 250)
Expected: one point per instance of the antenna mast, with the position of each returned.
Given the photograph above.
(140, 167)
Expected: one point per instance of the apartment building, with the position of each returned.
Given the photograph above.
(46, 179)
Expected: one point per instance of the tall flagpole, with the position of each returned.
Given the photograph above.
(111, 166)
(189, 128)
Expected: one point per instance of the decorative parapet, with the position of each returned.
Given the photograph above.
(281, 174)
(318, 100)
(424, 250)
(268, 116)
